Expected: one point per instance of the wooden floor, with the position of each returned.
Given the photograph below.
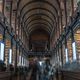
(63, 75)
(33, 76)
(29, 75)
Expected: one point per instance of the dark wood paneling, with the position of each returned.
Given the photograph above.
(70, 75)
(11, 76)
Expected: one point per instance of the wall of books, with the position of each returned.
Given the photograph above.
(1, 44)
(13, 51)
(18, 53)
(64, 54)
(77, 40)
(69, 46)
(1, 33)
(60, 63)
(7, 47)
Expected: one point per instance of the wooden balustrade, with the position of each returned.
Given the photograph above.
(6, 75)
(11, 76)
(70, 75)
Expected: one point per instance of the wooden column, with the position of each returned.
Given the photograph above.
(11, 12)
(61, 54)
(3, 10)
(21, 32)
(4, 42)
(15, 20)
(3, 7)
(72, 7)
(58, 28)
(19, 27)
(65, 11)
(61, 22)
(15, 68)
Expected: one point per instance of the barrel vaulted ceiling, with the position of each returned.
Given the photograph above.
(39, 14)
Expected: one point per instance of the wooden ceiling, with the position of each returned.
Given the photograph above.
(39, 14)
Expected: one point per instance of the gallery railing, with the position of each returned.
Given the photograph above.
(39, 53)
(70, 75)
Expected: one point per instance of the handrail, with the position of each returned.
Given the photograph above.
(39, 53)
(4, 75)
(67, 74)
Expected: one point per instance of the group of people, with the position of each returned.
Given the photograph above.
(42, 70)
(46, 71)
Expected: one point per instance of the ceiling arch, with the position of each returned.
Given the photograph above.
(38, 19)
(39, 23)
(40, 1)
(42, 14)
(45, 10)
(39, 12)
(39, 29)
(38, 8)
(19, 1)
(37, 26)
